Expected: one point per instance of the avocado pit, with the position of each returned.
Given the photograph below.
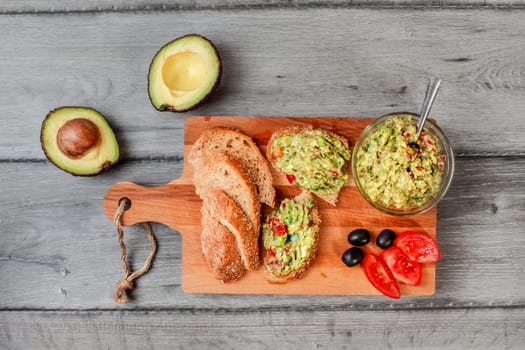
(79, 140)
(77, 136)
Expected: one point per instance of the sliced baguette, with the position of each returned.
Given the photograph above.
(240, 147)
(301, 270)
(227, 174)
(272, 153)
(219, 248)
(223, 209)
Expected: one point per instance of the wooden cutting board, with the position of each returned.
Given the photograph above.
(177, 206)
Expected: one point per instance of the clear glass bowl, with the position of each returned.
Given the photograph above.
(447, 173)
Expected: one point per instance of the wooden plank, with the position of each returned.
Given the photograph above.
(59, 251)
(32, 6)
(360, 62)
(327, 275)
(495, 328)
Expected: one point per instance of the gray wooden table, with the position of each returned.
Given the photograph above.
(59, 256)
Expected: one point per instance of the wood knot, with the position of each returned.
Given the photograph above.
(122, 286)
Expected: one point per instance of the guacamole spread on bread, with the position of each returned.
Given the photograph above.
(289, 236)
(395, 168)
(314, 160)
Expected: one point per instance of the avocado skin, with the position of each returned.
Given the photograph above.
(170, 108)
(105, 166)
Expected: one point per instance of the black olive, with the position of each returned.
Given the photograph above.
(353, 256)
(359, 237)
(414, 144)
(385, 239)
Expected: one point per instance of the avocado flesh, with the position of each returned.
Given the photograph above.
(183, 73)
(99, 157)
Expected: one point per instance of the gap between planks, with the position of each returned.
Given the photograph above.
(282, 4)
(162, 159)
(428, 306)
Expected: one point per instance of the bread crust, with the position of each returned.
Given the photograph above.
(219, 248)
(227, 174)
(243, 149)
(196, 157)
(223, 209)
(298, 129)
(301, 271)
(230, 215)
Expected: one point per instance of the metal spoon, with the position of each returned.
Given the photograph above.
(428, 101)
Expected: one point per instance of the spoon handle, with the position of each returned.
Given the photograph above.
(430, 96)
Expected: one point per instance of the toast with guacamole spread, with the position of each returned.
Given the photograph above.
(290, 237)
(240, 147)
(313, 159)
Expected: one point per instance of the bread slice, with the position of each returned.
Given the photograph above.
(219, 248)
(223, 209)
(240, 147)
(276, 254)
(273, 153)
(227, 174)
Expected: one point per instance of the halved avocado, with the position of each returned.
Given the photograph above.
(184, 73)
(79, 140)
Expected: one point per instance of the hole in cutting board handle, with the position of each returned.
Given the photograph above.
(126, 201)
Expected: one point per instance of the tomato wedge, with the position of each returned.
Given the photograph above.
(277, 226)
(290, 178)
(380, 276)
(404, 270)
(418, 246)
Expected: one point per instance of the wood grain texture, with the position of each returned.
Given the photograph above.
(359, 62)
(176, 205)
(349, 329)
(364, 58)
(59, 251)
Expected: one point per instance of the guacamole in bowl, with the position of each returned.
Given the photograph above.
(399, 173)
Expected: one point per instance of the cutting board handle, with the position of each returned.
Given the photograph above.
(173, 204)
